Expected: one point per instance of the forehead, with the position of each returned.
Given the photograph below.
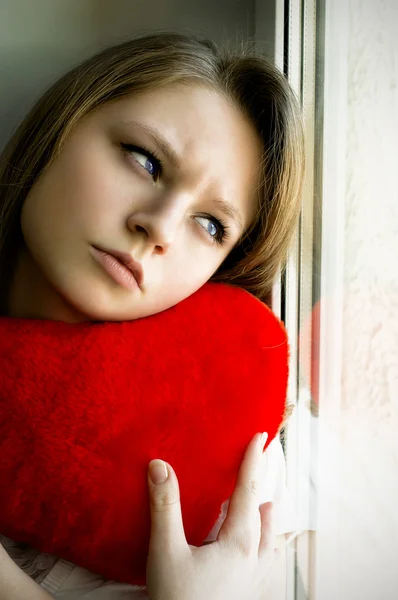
(217, 146)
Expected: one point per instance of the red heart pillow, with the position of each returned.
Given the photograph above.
(85, 407)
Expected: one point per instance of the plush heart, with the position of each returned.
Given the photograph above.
(85, 407)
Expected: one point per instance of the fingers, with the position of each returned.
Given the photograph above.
(242, 524)
(167, 530)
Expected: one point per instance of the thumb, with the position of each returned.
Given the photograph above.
(167, 530)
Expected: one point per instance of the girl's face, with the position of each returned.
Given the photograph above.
(168, 177)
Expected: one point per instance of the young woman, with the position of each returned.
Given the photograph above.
(188, 161)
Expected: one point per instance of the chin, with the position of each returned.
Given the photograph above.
(88, 309)
(98, 302)
(95, 305)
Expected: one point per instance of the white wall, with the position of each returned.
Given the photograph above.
(366, 537)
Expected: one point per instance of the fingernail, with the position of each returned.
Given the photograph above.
(158, 471)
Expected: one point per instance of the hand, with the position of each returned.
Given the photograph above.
(15, 584)
(236, 566)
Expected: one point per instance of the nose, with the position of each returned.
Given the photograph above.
(159, 224)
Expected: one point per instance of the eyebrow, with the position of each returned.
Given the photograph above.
(160, 141)
(229, 209)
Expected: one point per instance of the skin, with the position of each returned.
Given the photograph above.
(97, 193)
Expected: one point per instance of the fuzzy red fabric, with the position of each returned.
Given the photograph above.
(85, 407)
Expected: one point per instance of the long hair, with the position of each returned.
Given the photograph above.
(252, 83)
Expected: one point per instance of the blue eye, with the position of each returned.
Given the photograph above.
(148, 163)
(214, 227)
(150, 167)
(146, 159)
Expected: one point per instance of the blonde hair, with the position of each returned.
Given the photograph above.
(252, 83)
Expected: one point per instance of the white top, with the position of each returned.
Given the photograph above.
(68, 581)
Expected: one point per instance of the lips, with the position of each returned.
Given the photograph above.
(126, 260)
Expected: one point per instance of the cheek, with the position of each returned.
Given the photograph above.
(196, 264)
(77, 189)
(99, 190)
(83, 186)
(38, 212)
(183, 278)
